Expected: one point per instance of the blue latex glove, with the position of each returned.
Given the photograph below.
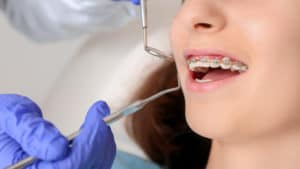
(136, 2)
(24, 132)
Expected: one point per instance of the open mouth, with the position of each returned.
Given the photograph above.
(206, 69)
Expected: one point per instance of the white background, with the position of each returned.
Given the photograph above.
(29, 68)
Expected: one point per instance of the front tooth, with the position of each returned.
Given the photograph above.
(196, 67)
(215, 63)
(192, 61)
(204, 62)
(193, 65)
(226, 63)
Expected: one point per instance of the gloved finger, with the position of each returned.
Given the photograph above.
(101, 143)
(108, 156)
(22, 120)
(96, 114)
(111, 154)
(93, 148)
(10, 151)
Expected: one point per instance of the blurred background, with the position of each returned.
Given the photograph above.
(29, 68)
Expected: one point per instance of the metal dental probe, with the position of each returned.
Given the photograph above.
(128, 110)
(132, 108)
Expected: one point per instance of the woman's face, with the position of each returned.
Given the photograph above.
(264, 35)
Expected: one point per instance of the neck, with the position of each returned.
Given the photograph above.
(273, 152)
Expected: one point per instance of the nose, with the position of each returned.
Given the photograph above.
(203, 16)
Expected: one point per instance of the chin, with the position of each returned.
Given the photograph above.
(211, 122)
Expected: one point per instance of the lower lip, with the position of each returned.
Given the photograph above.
(194, 86)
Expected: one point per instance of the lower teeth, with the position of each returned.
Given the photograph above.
(203, 81)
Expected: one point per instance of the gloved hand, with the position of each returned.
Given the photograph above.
(24, 132)
(136, 2)
(50, 20)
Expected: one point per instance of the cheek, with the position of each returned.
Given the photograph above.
(274, 85)
(178, 38)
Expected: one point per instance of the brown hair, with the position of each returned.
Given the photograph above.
(161, 130)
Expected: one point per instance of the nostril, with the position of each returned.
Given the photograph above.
(203, 25)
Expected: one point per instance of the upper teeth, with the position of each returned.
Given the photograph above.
(225, 63)
(215, 63)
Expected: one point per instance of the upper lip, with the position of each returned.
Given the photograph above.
(190, 53)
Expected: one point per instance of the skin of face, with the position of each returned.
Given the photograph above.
(263, 102)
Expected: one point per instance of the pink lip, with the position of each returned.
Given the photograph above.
(192, 85)
(188, 54)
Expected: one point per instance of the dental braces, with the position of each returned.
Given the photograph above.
(203, 64)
